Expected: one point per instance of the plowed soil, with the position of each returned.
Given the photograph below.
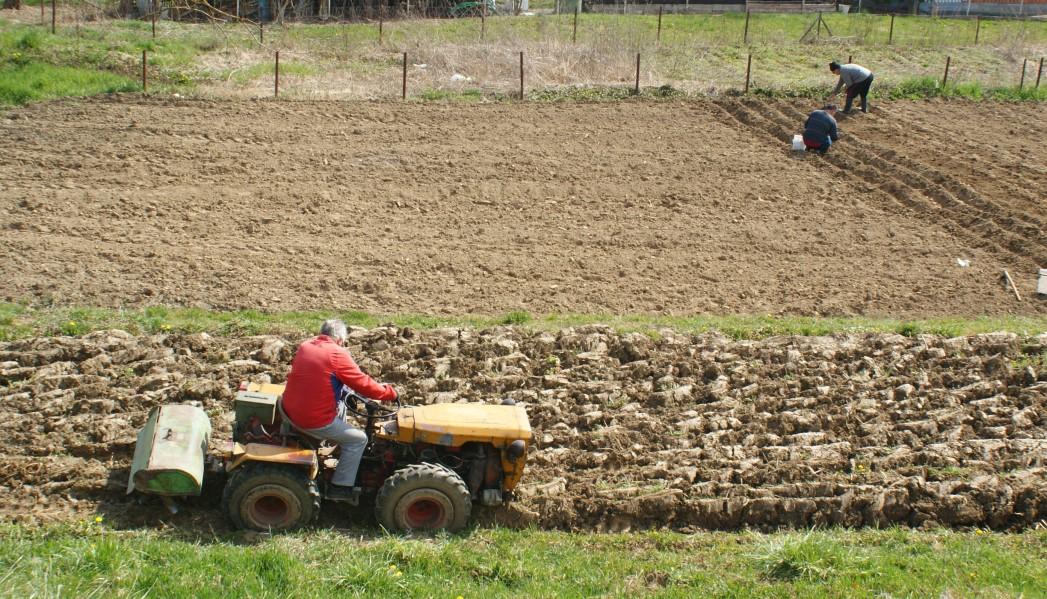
(681, 207)
(631, 431)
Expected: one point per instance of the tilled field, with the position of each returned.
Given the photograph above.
(632, 431)
(631, 207)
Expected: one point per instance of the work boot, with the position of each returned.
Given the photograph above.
(350, 495)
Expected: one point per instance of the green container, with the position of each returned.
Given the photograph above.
(169, 454)
(253, 404)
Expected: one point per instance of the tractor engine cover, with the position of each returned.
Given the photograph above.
(504, 427)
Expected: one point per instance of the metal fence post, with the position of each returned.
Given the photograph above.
(945, 78)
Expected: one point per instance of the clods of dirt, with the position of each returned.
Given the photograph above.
(631, 430)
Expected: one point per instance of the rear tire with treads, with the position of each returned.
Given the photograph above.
(424, 497)
(274, 497)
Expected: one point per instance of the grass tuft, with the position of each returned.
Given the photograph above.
(518, 317)
(812, 557)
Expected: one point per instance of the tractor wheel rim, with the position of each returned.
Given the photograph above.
(270, 510)
(425, 513)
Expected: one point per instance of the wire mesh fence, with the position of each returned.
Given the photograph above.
(703, 54)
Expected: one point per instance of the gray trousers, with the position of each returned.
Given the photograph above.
(352, 442)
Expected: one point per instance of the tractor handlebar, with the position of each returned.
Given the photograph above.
(372, 409)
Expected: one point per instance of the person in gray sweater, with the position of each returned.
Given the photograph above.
(855, 79)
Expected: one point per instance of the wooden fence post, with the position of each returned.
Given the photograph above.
(1021, 82)
(53, 18)
(154, 19)
(574, 34)
(380, 23)
(1039, 72)
(945, 78)
(748, 69)
(658, 38)
(483, 21)
(521, 76)
(890, 35)
(145, 87)
(403, 93)
(636, 89)
(977, 28)
(745, 36)
(276, 79)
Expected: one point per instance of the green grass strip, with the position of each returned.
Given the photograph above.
(88, 559)
(35, 81)
(19, 321)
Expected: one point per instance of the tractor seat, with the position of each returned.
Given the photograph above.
(288, 428)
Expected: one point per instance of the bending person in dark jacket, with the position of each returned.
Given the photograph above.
(820, 131)
(855, 79)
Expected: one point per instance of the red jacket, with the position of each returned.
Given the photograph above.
(318, 371)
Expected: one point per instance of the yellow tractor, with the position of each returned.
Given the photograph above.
(424, 466)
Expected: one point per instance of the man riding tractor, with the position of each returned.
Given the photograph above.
(319, 372)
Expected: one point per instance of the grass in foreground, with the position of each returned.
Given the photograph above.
(18, 321)
(89, 560)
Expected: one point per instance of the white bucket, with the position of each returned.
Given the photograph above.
(798, 143)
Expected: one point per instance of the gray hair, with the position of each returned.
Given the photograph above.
(334, 328)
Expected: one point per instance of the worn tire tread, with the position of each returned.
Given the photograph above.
(416, 476)
(251, 472)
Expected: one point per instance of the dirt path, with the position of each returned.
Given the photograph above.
(453, 209)
(630, 432)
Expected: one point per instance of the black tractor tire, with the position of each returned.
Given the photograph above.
(423, 497)
(270, 497)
